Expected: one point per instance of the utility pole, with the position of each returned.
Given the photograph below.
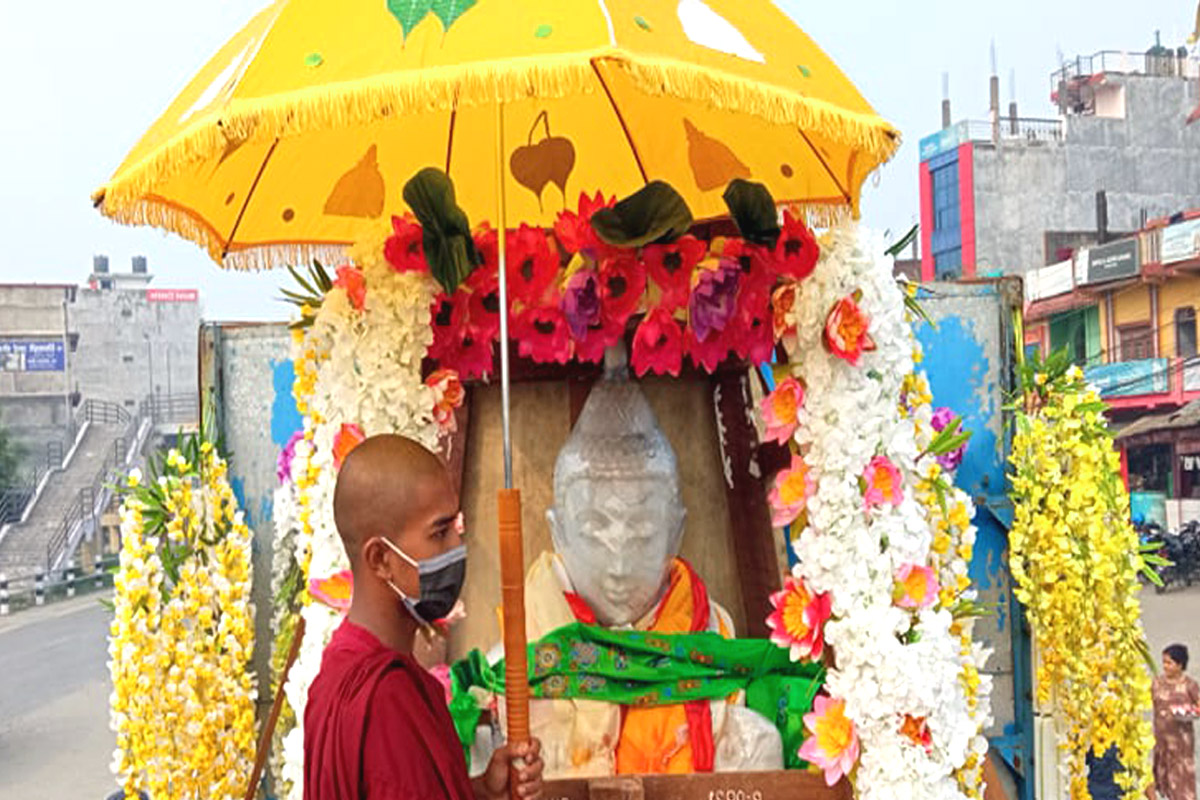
(66, 336)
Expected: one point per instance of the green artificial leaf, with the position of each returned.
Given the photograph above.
(409, 13)
(642, 23)
(450, 10)
(543, 31)
(449, 248)
(654, 213)
(753, 210)
(899, 246)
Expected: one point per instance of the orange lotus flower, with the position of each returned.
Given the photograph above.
(916, 586)
(780, 409)
(883, 481)
(846, 326)
(351, 279)
(833, 745)
(798, 621)
(783, 300)
(793, 487)
(336, 591)
(916, 730)
(448, 396)
(346, 439)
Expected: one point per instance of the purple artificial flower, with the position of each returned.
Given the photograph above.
(714, 298)
(581, 302)
(283, 467)
(943, 416)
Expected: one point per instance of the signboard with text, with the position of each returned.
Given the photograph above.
(172, 295)
(1181, 241)
(943, 141)
(1113, 261)
(31, 356)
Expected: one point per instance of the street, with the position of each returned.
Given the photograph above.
(54, 736)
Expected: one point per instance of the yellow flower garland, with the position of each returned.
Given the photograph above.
(183, 634)
(1075, 560)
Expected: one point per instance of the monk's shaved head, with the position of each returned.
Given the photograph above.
(383, 484)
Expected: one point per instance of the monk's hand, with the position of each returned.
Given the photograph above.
(525, 762)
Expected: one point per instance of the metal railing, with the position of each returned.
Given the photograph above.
(1165, 64)
(15, 499)
(174, 408)
(1028, 129)
(35, 588)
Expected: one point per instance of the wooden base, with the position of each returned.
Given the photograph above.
(790, 785)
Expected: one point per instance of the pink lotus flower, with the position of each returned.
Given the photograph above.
(833, 745)
(441, 673)
(348, 437)
(846, 326)
(336, 591)
(779, 410)
(916, 587)
(351, 279)
(883, 483)
(798, 621)
(793, 487)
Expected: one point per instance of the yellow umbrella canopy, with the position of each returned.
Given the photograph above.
(302, 130)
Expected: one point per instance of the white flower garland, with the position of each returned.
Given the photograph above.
(886, 667)
(367, 367)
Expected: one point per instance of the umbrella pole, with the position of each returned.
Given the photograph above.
(512, 556)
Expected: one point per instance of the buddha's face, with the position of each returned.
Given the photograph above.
(617, 538)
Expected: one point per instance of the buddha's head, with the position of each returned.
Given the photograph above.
(617, 519)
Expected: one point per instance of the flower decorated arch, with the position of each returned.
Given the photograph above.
(385, 342)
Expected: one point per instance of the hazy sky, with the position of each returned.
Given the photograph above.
(80, 81)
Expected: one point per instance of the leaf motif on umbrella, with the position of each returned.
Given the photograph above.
(409, 13)
(550, 160)
(713, 163)
(450, 10)
(446, 232)
(654, 213)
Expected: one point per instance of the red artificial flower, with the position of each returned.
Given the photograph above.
(707, 354)
(758, 276)
(487, 244)
(448, 318)
(846, 327)
(542, 335)
(783, 300)
(797, 251)
(574, 229)
(351, 279)
(622, 285)
(658, 344)
(601, 336)
(483, 304)
(532, 265)
(751, 332)
(470, 354)
(670, 267)
(405, 248)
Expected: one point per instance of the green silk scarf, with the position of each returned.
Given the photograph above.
(636, 668)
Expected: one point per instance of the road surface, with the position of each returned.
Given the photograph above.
(54, 688)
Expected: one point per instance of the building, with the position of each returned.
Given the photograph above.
(1126, 311)
(1010, 194)
(116, 340)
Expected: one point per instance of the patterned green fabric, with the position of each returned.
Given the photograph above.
(636, 668)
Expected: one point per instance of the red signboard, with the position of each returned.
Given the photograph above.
(172, 295)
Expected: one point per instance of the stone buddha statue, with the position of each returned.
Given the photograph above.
(617, 524)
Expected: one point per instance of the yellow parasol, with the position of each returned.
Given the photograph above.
(302, 130)
(298, 136)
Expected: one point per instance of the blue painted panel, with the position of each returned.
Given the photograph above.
(1130, 378)
(285, 417)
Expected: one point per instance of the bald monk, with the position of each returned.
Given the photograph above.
(376, 726)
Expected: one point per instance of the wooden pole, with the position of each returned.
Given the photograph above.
(512, 593)
(264, 741)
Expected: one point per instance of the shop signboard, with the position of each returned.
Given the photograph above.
(1181, 241)
(26, 356)
(1113, 261)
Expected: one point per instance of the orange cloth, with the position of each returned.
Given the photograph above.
(672, 739)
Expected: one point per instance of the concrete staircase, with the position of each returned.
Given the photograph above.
(23, 548)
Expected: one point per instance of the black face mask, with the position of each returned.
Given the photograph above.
(441, 582)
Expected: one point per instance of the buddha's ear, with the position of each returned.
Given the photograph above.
(556, 534)
(676, 533)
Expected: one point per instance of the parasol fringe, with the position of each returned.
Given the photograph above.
(129, 198)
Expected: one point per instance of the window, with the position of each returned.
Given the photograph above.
(947, 266)
(128, 359)
(130, 403)
(1135, 342)
(1079, 332)
(1185, 332)
(945, 197)
(126, 312)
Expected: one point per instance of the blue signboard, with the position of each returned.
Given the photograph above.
(1129, 378)
(944, 141)
(32, 356)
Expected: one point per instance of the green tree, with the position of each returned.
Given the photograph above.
(10, 459)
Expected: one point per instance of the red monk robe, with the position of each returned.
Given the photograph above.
(376, 727)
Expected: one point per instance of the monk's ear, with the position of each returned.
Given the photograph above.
(374, 558)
